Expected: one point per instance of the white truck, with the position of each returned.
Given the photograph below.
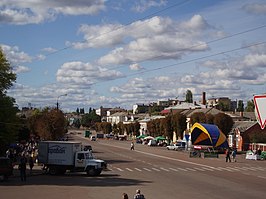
(61, 156)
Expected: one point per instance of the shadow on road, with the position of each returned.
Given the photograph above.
(77, 179)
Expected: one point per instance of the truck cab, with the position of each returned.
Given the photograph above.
(84, 161)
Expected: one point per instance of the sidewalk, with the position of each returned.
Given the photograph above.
(37, 170)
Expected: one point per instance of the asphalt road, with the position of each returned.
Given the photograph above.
(157, 172)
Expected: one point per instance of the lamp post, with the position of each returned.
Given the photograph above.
(57, 104)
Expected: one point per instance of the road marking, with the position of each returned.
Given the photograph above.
(156, 169)
(146, 169)
(231, 168)
(164, 169)
(138, 169)
(181, 169)
(199, 169)
(190, 169)
(251, 168)
(173, 169)
(208, 169)
(264, 177)
(129, 169)
(241, 168)
(223, 168)
(260, 168)
(119, 169)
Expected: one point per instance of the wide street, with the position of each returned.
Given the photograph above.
(157, 172)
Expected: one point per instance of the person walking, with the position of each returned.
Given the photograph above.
(234, 155)
(138, 195)
(132, 147)
(31, 163)
(227, 155)
(22, 167)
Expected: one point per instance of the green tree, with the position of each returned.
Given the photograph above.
(48, 124)
(209, 119)
(77, 123)
(222, 106)
(82, 111)
(224, 122)
(105, 127)
(89, 119)
(240, 106)
(9, 122)
(250, 106)
(198, 117)
(179, 122)
(189, 96)
(7, 77)
(166, 126)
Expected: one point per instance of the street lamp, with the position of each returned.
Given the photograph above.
(57, 104)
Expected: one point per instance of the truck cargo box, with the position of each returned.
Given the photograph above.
(58, 152)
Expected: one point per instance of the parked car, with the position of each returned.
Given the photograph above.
(177, 146)
(93, 138)
(6, 168)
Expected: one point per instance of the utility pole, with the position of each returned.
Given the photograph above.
(57, 104)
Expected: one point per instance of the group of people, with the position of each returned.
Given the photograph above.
(229, 154)
(138, 195)
(23, 155)
(22, 166)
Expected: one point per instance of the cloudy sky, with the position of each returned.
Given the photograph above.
(119, 53)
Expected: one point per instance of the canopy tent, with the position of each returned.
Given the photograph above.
(141, 136)
(208, 134)
(149, 138)
(160, 138)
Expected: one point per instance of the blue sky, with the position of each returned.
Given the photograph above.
(119, 53)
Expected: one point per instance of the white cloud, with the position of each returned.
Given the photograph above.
(255, 60)
(27, 12)
(196, 23)
(49, 50)
(85, 74)
(143, 5)
(256, 8)
(135, 66)
(14, 55)
(100, 36)
(158, 38)
(21, 69)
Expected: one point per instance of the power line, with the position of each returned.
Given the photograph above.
(188, 61)
(121, 27)
(212, 41)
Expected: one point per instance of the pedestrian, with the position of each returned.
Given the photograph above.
(234, 155)
(132, 147)
(138, 195)
(227, 155)
(31, 163)
(124, 196)
(22, 167)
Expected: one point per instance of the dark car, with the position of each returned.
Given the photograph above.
(6, 168)
(87, 148)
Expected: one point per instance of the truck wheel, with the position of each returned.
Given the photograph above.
(52, 171)
(91, 172)
(94, 172)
